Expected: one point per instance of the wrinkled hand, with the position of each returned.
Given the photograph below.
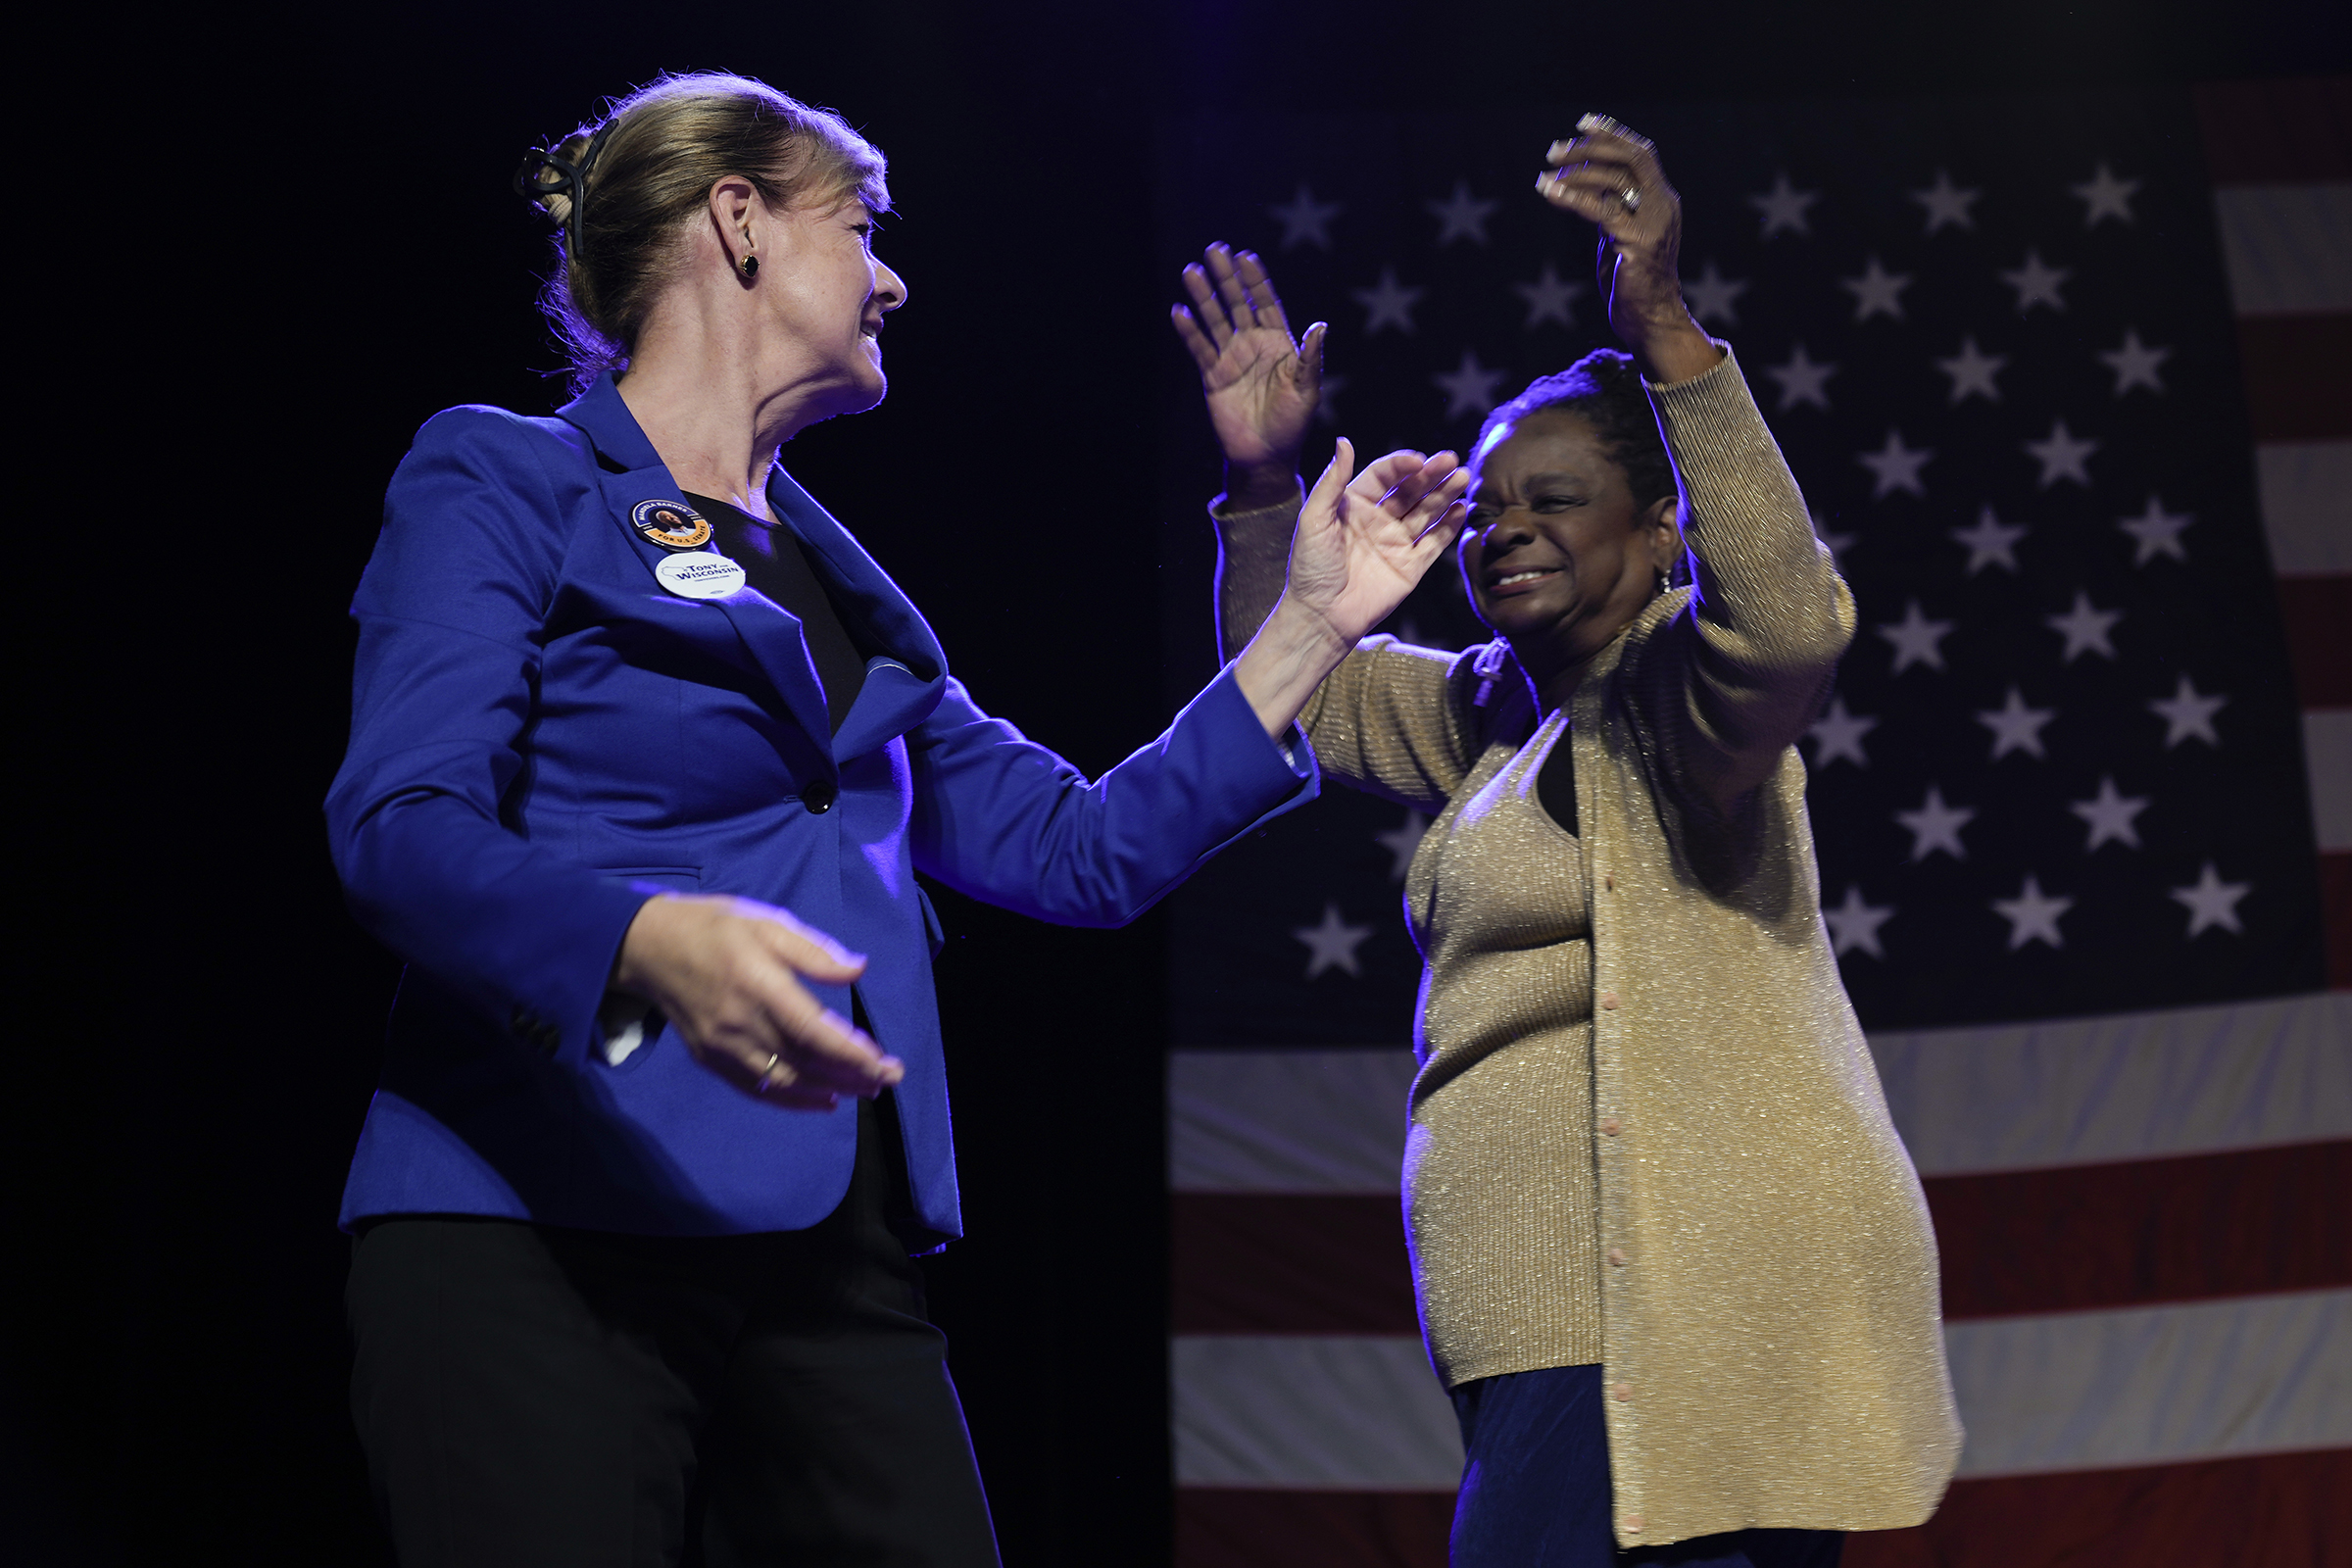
(1610, 175)
(1362, 542)
(727, 972)
(1262, 385)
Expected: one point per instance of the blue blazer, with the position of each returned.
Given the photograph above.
(542, 737)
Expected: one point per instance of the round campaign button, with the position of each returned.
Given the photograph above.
(699, 574)
(671, 525)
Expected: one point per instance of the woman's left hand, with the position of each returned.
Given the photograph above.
(1610, 175)
(1363, 541)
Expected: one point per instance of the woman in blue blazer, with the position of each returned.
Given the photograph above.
(645, 754)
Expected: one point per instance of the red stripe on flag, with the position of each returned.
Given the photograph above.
(1251, 1263)
(2318, 637)
(2245, 1223)
(2294, 369)
(2292, 132)
(1220, 1528)
(2271, 1508)
(2336, 897)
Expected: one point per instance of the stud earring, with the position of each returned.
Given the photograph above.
(749, 266)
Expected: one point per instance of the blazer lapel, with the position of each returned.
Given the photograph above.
(769, 634)
(904, 685)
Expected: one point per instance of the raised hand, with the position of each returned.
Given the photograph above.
(1262, 385)
(1610, 175)
(1363, 541)
(727, 972)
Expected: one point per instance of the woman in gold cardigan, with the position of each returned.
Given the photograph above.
(1671, 1258)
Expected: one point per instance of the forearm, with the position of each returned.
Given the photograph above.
(1288, 657)
(1253, 555)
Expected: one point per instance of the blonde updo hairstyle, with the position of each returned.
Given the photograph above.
(645, 171)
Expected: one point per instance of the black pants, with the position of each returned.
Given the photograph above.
(532, 1395)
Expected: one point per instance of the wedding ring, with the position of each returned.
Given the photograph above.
(766, 1073)
(1632, 198)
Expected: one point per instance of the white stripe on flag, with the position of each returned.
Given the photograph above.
(2328, 754)
(1287, 1121)
(2160, 1385)
(2284, 247)
(2306, 505)
(2134, 1086)
(1331, 1414)
(2012, 1096)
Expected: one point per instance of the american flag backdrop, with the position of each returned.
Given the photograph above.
(2065, 382)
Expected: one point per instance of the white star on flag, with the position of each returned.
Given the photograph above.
(1946, 203)
(2188, 714)
(1972, 373)
(1306, 221)
(1876, 293)
(1784, 209)
(1801, 379)
(1401, 841)
(1389, 302)
(2037, 284)
(2105, 196)
(2015, 726)
(1462, 215)
(1915, 638)
(1936, 827)
(1469, 388)
(1855, 923)
(2110, 816)
(1333, 944)
(2212, 901)
(1896, 466)
(2157, 532)
(2085, 628)
(1327, 400)
(1713, 297)
(1990, 543)
(1549, 298)
(2062, 456)
(2134, 363)
(2033, 915)
(1838, 734)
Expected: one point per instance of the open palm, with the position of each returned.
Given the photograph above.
(1363, 542)
(1262, 385)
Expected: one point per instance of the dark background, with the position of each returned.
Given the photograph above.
(263, 250)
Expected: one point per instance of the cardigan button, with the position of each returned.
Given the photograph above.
(1609, 1126)
(1609, 883)
(1608, 1001)
(819, 797)
(1625, 1391)
(1632, 1523)
(1616, 1257)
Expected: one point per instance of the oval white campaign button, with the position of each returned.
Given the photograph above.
(699, 574)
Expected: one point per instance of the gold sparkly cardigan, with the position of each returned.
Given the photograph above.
(1772, 1340)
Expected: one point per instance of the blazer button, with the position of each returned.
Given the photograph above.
(819, 797)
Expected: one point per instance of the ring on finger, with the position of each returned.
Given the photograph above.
(775, 1059)
(1632, 198)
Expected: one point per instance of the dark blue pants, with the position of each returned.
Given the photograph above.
(1536, 1489)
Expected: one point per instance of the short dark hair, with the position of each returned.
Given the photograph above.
(1603, 389)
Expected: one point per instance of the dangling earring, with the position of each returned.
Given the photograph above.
(1665, 581)
(749, 266)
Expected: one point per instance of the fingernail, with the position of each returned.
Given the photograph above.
(1587, 121)
(1558, 149)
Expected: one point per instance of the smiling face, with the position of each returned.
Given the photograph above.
(830, 295)
(1558, 557)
